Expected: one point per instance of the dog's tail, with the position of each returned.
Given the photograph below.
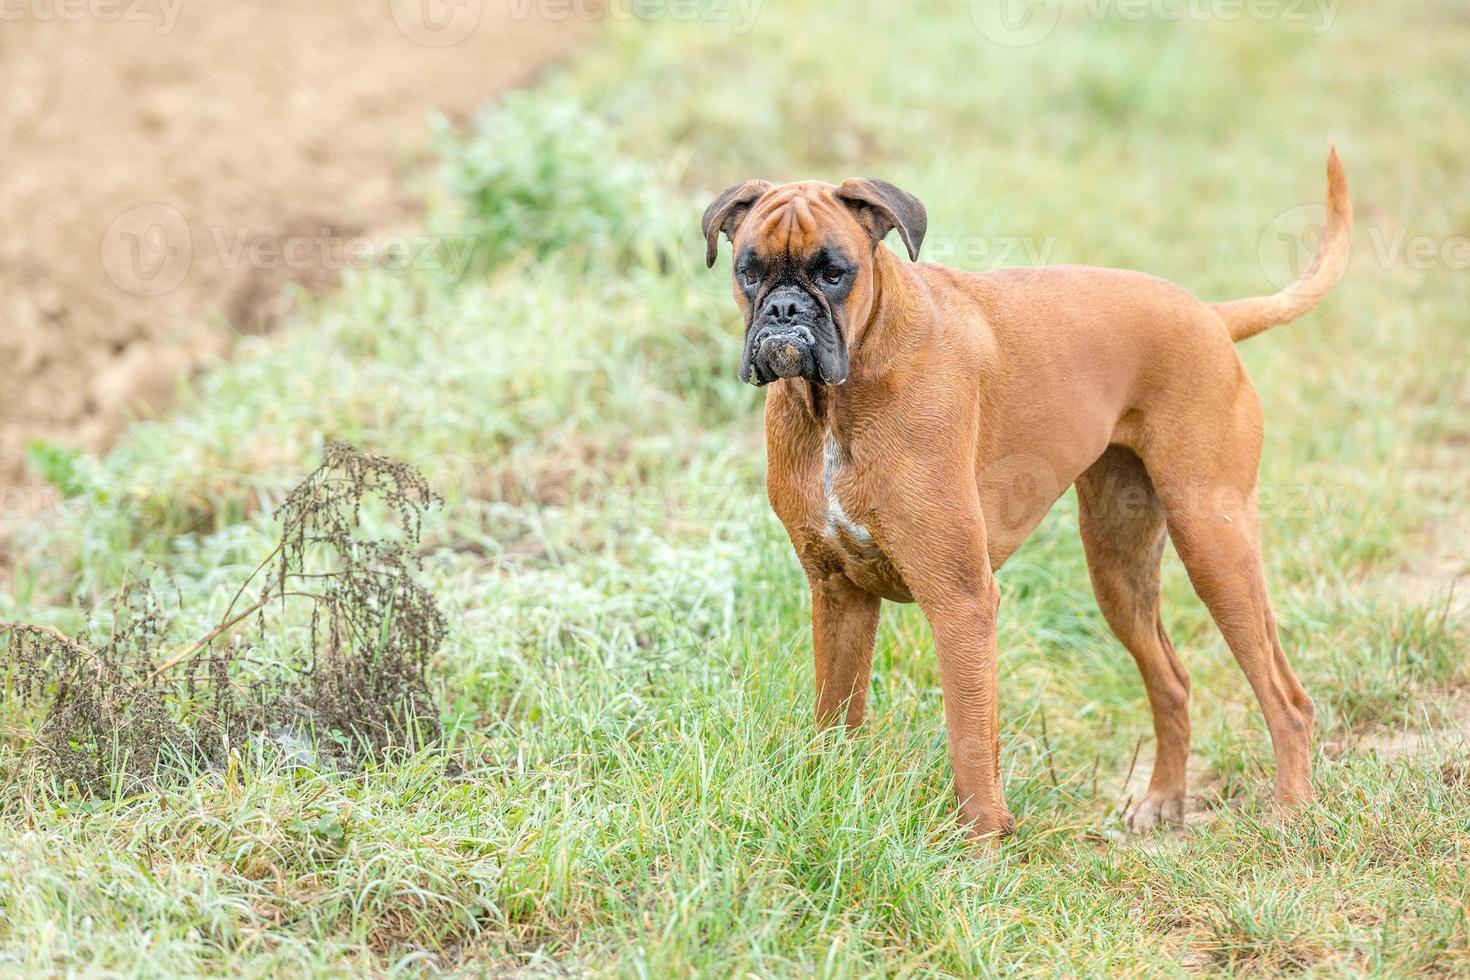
(1248, 317)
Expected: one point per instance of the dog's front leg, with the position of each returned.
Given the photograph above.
(844, 625)
(964, 636)
(940, 550)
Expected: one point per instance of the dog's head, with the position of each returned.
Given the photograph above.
(803, 268)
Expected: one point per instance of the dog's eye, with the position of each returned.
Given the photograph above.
(833, 274)
(748, 277)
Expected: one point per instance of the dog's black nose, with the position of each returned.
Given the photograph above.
(782, 310)
(786, 306)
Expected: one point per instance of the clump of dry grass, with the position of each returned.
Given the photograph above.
(128, 706)
(102, 719)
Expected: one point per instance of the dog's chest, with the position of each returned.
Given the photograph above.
(844, 540)
(838, 527)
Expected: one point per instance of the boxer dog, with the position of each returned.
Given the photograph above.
(920, 422)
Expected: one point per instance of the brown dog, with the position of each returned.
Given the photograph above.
(924, 420)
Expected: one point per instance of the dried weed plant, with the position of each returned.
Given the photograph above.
(322, 652)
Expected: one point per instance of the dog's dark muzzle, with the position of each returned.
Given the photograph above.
(784, 352)
(792, 337)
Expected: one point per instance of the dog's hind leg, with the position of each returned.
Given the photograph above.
(1207, 480)
(1223, 557)
(844, 627)
(1122, 524)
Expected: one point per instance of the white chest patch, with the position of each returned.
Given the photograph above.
(839, 525)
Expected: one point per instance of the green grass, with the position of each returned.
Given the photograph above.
(638, 788)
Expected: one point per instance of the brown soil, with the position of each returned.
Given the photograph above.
(1439, 573)
(168, 167)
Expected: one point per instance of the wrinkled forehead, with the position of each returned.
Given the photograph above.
(797, 220)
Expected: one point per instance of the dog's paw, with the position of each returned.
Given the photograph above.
(986, 834)
(1154, 809)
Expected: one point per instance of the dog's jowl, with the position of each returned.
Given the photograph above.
(921, 421)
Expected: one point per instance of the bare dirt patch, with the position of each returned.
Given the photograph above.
(1447, 729)
(1201, 801)
(1439, 573)
(170, 166)
(1436, 575)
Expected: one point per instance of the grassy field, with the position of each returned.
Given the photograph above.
(630, 781)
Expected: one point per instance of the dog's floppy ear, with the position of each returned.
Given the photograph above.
(880, 207)
(726, 212)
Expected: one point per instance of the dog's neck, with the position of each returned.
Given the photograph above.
(884, 342)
